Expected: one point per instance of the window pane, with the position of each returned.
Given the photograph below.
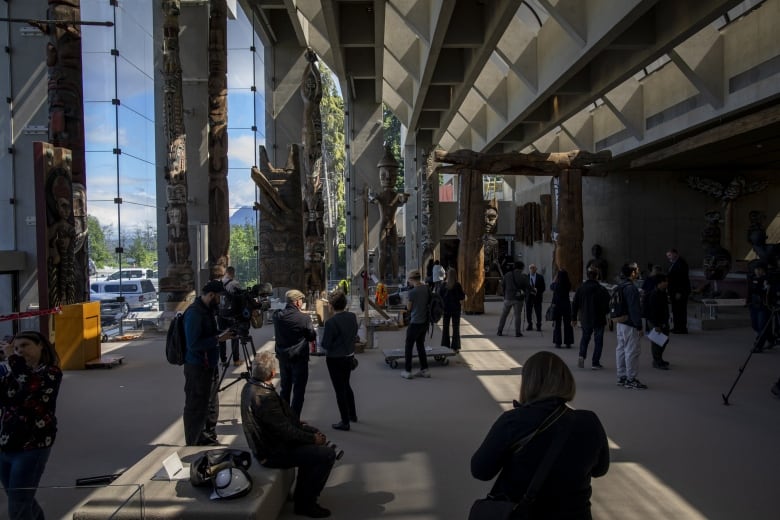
(241, 108)
(134, 134)
(135, 89)
(99, 126)
(240, 74)
(98, 77)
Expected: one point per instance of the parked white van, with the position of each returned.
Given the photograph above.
(139, 293)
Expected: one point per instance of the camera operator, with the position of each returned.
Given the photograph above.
(201, 404)
(278, 439)
(291, 326)
(231, 286)
(758, 287)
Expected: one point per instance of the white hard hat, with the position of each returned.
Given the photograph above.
(231, 483)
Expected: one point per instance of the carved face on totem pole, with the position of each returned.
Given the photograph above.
(388, 170)
(491, 220)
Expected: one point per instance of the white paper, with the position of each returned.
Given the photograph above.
(172, 469)
(659, 338)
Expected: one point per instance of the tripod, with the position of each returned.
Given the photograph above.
(246, 342)
(768, 332)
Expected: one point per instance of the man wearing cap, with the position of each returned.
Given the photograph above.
(201, 403)
(291, 326)
(417, 307)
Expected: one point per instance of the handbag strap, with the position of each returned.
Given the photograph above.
(552, 453)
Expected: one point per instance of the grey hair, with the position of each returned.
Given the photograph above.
(263, 365)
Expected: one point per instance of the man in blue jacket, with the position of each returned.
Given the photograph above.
(629, 332)
(201, 404)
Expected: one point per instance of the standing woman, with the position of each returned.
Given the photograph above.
(29, 384)
(561, 287)
(546, 386)
(452, 294)
(338, 341)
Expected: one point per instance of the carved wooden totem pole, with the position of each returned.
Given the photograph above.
(470, 165)
(57, 234)
(311, 166)
(66, 125)
(388, 201)
(178, 281)
(219, 208)
(428, 238)
(280, 239)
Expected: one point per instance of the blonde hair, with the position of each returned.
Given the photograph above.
(546, 375)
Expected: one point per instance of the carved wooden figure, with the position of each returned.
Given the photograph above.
(388, 200)
(280, 240)
(178, 280)
(219, 195)
(66, 120)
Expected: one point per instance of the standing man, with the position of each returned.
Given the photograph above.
(438, 275)
(231, 285)
(278, 439)
(679, 290)
(592, 301)
(291, 326)
(533, 298)
(417, 307)
(629, 331)
(201, 402)
(515, 285)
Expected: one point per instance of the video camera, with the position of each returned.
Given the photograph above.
(242, 308)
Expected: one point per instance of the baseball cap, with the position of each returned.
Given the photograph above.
(294, 295)
(414, 274)
(214, 286)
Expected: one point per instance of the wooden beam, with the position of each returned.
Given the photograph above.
(516, 163)
(720, 133)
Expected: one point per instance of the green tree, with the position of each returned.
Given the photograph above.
(391, 127)
(98, 249)
(334, 152)
(243, 253)
(139, 249)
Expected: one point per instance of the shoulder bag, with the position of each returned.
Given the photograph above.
(501, 508)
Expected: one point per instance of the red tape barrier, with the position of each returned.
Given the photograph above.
(29, 314)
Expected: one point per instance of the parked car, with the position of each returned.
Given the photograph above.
(139, 294)
(110, 309)
(131, 273)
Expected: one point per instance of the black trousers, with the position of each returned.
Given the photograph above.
(201, 402)
(452, 342)
(314, 464)
(233, 348)
(415, 335)
(340, 370)
(533, 304)
(680, 313)
(294, 375)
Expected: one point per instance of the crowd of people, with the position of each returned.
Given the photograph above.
(514, 448)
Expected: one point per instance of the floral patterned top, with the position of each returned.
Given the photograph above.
(28, 401)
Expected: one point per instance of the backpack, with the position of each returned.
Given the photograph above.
(175, 342)
(435, 308)
(618, 311)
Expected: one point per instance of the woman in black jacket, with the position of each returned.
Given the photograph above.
(452, 294)
(547, 384)
(338, 341)
(561, 286)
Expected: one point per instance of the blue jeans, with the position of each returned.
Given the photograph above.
(20, 473)
(598, 342)
(294, 375)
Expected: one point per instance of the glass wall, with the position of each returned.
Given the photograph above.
(119, 124)
(246, 132)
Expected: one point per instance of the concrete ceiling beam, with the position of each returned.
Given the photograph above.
(701, 59)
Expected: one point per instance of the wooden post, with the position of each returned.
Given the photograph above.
(568, 251)
(364, 281)
(471, 254)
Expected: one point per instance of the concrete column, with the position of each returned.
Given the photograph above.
(364, 137)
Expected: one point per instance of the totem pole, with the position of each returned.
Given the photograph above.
(219, 209)
(428, 237)
(388, 201)
(179, 276)
(311, 165)
(66, 125)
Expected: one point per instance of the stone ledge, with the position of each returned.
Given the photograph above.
(179, 499)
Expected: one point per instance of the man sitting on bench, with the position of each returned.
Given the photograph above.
(279, 440)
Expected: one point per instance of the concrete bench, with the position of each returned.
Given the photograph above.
(164, 499)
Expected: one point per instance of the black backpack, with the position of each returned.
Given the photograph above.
(618, 311)
(435, 308)
(175, 342)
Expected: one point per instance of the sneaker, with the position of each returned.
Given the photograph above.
(406, 375)
(500, 333)
(621, 381)
(518, 334)
(581, 362)
(660, 365)
(596, 366)
(423, 373)
(635, 384)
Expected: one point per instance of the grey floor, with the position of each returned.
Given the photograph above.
(677, 452)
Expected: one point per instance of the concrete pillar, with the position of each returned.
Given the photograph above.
(363, 133)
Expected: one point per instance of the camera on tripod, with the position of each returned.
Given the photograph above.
(242, 308)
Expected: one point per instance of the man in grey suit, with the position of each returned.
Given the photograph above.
(533, 298)
(515, 285)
